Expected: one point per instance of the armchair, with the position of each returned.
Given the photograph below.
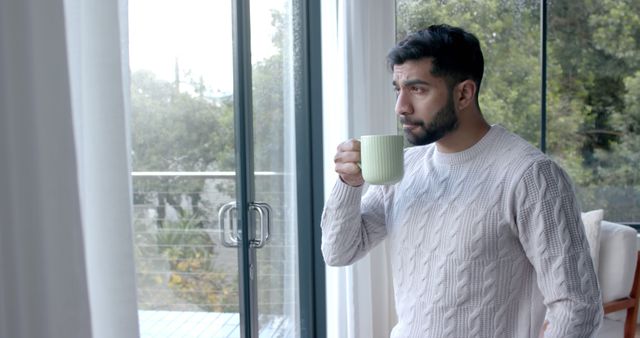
(619, 278)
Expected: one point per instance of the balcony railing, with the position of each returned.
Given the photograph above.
(187, 280)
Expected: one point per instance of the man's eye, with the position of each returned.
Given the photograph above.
(417, 90)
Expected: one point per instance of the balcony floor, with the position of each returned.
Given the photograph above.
(183, 324)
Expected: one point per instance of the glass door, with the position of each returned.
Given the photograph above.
(264, 211)
(215, 89)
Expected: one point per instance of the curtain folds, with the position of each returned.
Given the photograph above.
(358, 100)
(66, 252)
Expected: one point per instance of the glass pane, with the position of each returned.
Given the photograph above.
(184, 168)
(594, 101)
(274, 96)
(509, 34)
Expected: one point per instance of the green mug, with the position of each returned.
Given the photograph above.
(382, 158)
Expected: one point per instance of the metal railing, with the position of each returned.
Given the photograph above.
(181, 265)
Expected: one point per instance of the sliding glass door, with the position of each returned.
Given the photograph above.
(264, 209)
(220, 108)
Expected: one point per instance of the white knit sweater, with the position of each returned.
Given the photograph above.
(481, 241)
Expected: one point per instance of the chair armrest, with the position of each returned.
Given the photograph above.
(618, 258)
(620, 304)
(629, 303)
(632, 300)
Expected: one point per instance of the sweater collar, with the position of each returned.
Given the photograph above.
(485, 143)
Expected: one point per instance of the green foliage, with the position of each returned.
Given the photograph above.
(189, 251)
(190, 281)
(177, 131)
(593, 48)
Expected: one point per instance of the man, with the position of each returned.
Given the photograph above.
(484, 229)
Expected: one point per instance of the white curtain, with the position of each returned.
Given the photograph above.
(66, 250)
(358, 100)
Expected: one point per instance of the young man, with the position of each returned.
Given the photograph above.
(484, 230)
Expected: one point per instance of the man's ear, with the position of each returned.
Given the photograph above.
(466, 93)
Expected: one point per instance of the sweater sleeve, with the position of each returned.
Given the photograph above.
(351, 224)
(553, 237)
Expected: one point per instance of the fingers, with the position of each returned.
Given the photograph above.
(346, 162)
(349, 145)
(347, 157)
(348, 152)
(349, 168)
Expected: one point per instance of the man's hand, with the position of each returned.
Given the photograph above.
(346, 160)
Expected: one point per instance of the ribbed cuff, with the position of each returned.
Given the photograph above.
(345, 194)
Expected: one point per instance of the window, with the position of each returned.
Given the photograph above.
(593, 101)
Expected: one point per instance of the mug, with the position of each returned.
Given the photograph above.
(382, 158)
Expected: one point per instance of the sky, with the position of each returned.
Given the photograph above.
(196, 33)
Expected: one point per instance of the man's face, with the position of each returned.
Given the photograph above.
(424, 102)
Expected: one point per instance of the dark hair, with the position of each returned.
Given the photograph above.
(455, 53)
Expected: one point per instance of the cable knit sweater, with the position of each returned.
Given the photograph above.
(481, 242)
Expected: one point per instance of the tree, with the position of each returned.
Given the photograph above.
(175, 131)
(593, 49)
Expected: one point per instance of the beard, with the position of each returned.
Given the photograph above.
(444, 122)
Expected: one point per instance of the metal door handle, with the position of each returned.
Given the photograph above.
(226, 220)
(264, 211)
(225, 214)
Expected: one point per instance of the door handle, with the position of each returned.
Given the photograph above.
(225, 215)
(264, 211)
(229, 233)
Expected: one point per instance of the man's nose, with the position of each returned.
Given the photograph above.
(403, 104)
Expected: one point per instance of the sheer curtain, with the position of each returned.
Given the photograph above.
(66, 249)
(358, 100)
